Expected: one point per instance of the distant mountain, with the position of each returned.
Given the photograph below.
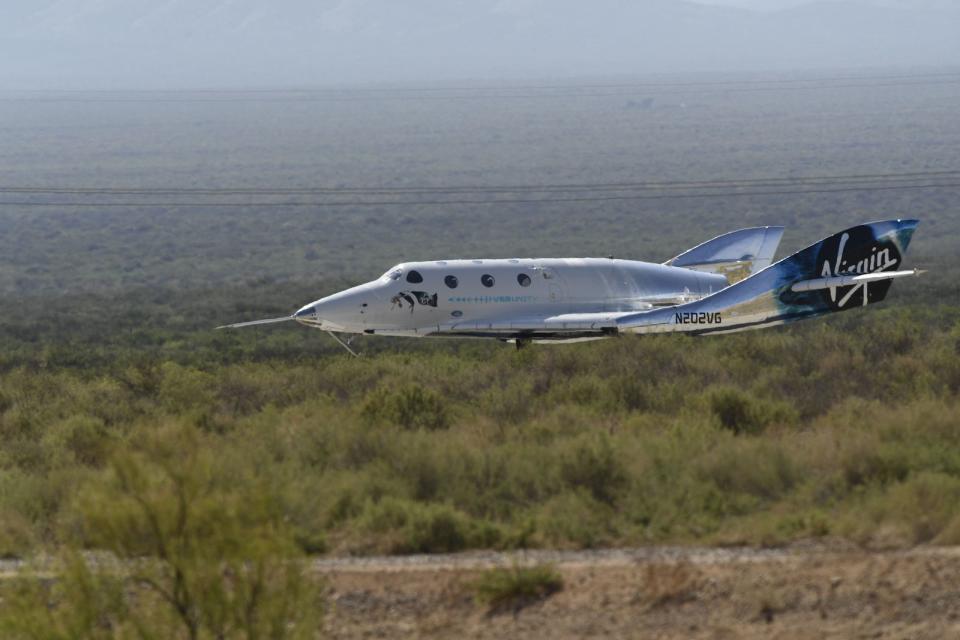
(167, 43)
(779, 5)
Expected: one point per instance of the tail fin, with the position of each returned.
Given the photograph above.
(855, 267)
(736, 255)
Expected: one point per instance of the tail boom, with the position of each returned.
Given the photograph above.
(852, 268)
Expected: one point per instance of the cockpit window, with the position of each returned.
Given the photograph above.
(414, 277)
(393, 274)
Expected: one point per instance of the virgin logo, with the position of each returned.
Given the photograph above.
(878, 260)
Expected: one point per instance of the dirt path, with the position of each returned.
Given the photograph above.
(822, 591)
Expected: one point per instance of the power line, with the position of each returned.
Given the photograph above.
(355, 190)
(578, 199)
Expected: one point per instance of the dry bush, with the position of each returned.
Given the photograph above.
(669, 583)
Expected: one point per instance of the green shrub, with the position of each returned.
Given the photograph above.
(926, 504)
(629, 393)
(17, 538)
(223, 561)
(866, 460)
(755, 468)
(6, 401)
(585, 390)
(950, 535)
(311, 542)
(593, 464)
(501, 589)
(574, 446)
(775, 527)
(79, 603)
(411, 407)
(185, 388)
(814, 524)
(743, 413)
(411, 527)
(734, 410)
(35, 501)
(574, 518)
(509, 403)
(85, 438)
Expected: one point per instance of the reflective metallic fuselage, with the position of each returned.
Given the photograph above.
(441, 297)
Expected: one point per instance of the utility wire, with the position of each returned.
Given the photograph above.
(657, 185)
(397, 203)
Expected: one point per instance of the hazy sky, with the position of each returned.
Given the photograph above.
(212, 43)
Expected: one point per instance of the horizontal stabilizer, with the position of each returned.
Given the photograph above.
(848, 281)
(255, 322)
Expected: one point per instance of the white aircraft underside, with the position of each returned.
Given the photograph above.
(723, 285)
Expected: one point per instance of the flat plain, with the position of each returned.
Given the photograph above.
(118, 400)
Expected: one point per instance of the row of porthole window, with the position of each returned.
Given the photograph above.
(487, 280)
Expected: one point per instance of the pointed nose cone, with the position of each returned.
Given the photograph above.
(306, 312)
(343, 311)
(323, 314)
(310, 315)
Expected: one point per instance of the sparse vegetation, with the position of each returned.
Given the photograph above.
(402, 453)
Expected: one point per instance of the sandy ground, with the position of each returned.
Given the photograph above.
(815, 591)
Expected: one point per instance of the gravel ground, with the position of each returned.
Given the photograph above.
(819, 590)
(592, 557)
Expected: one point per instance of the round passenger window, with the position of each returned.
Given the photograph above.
(414, 277)
(487, 280)
(523, 279)
(451, 281)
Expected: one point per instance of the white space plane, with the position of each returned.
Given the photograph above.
(723, 285)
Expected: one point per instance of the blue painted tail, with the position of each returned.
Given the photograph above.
(831, 275)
